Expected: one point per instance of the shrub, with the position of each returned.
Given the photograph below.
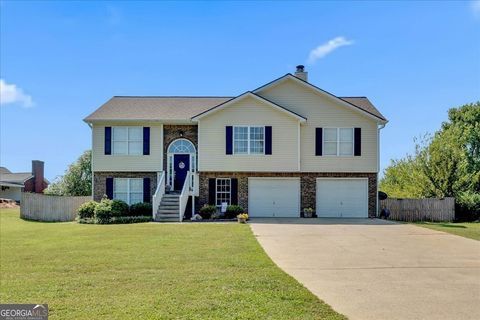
(207, 210)
(467, 206)
(119, 208)
(87, 210)
(141, 209)
(232, 211)
(125, 220)
(103, 211)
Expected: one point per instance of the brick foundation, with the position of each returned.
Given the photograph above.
(99, 181)
(307, 186)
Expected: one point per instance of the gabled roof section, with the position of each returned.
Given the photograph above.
(244, 96)
(18, 178)
(360, 104)
(142, 108)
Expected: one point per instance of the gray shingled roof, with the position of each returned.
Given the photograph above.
(180, 108)
(154, 108)
(14, 178)
(364, 104)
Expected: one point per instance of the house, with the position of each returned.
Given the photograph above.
(13, 184)
(276, 150)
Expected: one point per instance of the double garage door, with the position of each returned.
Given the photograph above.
(335, 197)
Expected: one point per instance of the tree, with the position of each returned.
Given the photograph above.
(446, 164)
(77, 180)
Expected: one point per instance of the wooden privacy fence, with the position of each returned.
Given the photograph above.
(40, 207)
(429, 209)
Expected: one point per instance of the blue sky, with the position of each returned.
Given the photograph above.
(59, 61)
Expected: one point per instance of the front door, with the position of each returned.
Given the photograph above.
(181, 165)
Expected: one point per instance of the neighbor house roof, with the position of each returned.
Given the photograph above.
(154, 108)
(9, 178)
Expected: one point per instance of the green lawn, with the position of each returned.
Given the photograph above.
(147, 271)
(467, 229)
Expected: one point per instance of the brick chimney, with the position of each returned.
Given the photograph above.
(38, 176)
(301, 74)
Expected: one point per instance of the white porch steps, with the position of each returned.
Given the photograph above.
(169, 208)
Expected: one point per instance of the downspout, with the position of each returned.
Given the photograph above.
(380, 127)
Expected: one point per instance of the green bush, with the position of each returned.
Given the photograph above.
(141, 209)
(87, 210)
(119, 208)
(467, 206)
(103, 211)
(232, 211)
(125, 220)
(207, 210)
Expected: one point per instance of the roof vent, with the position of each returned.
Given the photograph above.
(300, 73)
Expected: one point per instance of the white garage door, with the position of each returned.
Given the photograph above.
(273, 197)
(342, 198)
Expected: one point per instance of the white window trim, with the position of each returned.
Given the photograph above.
(248, 141)
(229, 193)
(128, 188)
(338, 142)
(127, 141)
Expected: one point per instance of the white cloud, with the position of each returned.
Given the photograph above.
(475, 6)
(10, 93)
(326, 48)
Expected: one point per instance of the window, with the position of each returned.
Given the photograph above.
(223, 188)
(338, 141)
(128, 190)
(127, 140)
(181, 146)
(248, 140)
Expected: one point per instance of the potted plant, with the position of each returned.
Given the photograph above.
(242, 217)
(308, 212)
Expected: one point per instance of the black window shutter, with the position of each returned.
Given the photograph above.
(108, 140)
(228, 140)
(146, 140)
(234, 191)
(109, 188)
(268, 140)
(318, 141)
(357, 142)
(212, 186)
(146, 190)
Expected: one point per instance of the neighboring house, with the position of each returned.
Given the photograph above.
(13, 184)
(275, 151)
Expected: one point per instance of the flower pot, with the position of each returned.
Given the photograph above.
(307, 214)
(242, 220)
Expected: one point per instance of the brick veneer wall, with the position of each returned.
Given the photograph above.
(307, 185)
(100, 178)
(172, 132)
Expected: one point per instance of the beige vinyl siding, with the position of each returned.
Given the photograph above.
(248, 112)
(152, 162)
(322, 111)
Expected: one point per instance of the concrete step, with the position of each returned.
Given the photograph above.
(169, 219)
(167, 211)
(176, 201)
(171, 196)
(168, 207)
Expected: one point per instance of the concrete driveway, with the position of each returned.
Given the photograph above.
(374, 269)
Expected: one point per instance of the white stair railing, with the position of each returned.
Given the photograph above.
(186, 191)
(159, 192)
